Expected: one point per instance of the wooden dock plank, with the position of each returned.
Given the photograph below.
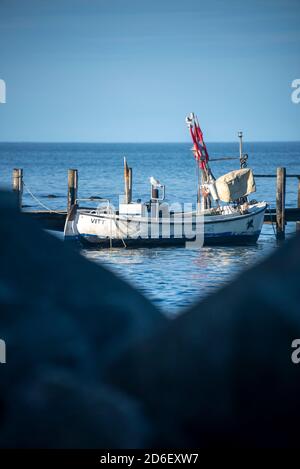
(49, 220)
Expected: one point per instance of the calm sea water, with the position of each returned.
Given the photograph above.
(172, 277)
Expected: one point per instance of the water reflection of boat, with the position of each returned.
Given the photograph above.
(224, 215)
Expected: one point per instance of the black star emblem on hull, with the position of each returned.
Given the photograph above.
(250, 224)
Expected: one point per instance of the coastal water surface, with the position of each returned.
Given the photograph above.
(172, 278)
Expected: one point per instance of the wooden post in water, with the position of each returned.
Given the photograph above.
(130, 185)
(72, 187)
(298, 205)
(126, 182)
(280, 203)
(17, 184)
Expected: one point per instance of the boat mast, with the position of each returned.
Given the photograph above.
(199, 182)
(243, 157)
(199, 149)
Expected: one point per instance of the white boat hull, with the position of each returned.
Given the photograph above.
(109, 229)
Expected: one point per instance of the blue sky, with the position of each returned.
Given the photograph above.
(130, 70)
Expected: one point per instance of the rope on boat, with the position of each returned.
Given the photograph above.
(38, 201)
(118, 226)
(112, 213)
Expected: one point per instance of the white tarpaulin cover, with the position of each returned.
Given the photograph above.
(235, 184)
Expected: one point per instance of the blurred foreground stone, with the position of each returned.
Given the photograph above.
(64, 319)
(91, 363)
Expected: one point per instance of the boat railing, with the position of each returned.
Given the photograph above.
(106, 207)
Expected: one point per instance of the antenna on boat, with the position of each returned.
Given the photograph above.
(240, 135)
(243, 157)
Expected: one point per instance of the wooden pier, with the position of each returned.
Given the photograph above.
(281, 215)
(50, 220)
(55, 219)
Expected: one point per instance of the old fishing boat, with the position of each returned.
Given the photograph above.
(223, 215)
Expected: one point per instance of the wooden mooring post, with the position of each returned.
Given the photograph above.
(17, 185)
(280, 203)
(72, 188)
(130, 185)
(127, 183)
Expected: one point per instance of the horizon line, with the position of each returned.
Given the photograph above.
(139, 143)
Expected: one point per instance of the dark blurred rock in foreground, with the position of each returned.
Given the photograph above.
(91, 363)
(222, 374)
(64, 319)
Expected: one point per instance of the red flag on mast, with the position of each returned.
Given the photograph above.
(199, 150)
